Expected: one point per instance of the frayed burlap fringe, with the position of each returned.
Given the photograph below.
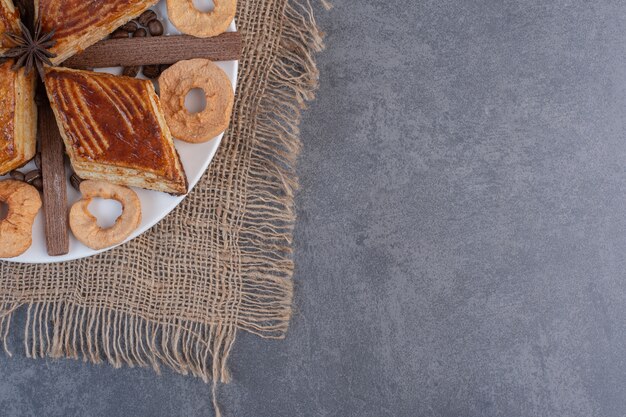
(100, 334)
(270, 217)
(222, 261)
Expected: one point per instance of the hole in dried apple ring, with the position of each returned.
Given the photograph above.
(105, 211)
(195, 101)
(84, 224)
(205, 6)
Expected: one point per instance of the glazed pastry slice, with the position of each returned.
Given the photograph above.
(81, 23)
(9, 22)
(114, 130)
(18, 117)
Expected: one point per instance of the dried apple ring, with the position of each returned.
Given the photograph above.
(184, 15)
(182, 77)
(16, 229)
(85, 226)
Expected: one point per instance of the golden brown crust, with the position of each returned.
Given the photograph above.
(177, 81)
(18, 117)
(9, 21)
(16, 229)
(114, 130)
(184, 15)
(81, 23)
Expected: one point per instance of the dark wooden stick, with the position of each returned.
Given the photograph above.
(129, 52)
(54, 182)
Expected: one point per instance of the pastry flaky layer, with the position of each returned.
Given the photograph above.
(114, 129)
(18, 117)
(9, 22)
(81, 23)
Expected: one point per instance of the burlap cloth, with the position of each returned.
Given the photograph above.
(221, 262)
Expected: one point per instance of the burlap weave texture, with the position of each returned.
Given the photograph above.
(221, 262)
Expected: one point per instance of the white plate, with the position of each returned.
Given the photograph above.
(155, 205)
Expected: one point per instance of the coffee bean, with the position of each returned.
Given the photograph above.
(17, 175)
(32, 175)
(131, 71)
(75, 180)
(38, 184)
(140, 33)
(146, 17)
(119, 34)
(151, 71)
(155, 27)
(38, 160)
(130, 26)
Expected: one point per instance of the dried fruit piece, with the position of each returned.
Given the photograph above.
(16, 229)
(85, 226)
(188, 19)
(184, 76)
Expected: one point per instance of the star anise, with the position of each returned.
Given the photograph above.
(31, 51)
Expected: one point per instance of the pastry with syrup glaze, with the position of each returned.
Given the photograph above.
(9, 22)
(18, 117)
(81, 23)
(114, 130)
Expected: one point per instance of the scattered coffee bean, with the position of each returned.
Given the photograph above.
(131, 71)
(146, 17)
(38, 184)
(155, 28)
(75, 180)
(119, 34)
(38, 160)
(32, 176)
(151, 71)
(130, 26)
(140, 33)
(17, 175)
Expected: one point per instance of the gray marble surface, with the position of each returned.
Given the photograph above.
(461, 235)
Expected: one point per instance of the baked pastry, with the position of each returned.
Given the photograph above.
(18, 117)
(114, 129)
(81, 23)
(9, 22)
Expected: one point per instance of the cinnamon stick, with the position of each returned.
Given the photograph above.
(54, 182)
(128, 52)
